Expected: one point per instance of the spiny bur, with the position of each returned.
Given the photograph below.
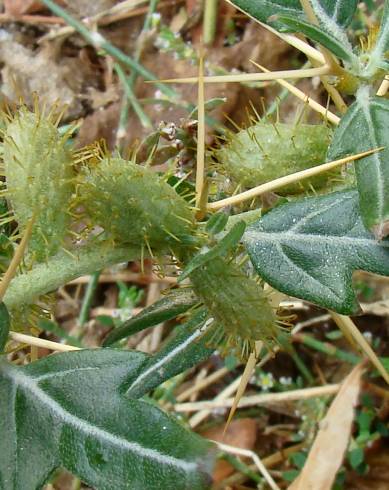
(264, 152)
(39, 178)
(239, 306)
(134, 205)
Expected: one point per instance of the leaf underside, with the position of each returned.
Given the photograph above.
(364, 127)
(310, 248)
(68, 411)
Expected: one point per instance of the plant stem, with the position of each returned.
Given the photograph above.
(128, 89)
(210, 20)
(88, 298)
(326, 348)
(59, 269)
(286, 180)
(99, 42)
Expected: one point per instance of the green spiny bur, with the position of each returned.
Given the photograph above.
(134, 205)
(39, 175)
(264, 152)
(237, 303)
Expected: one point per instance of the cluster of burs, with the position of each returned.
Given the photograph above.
(85, 197)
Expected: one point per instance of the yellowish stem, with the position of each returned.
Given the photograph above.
(254, 77)
(16, 259)
(254, 456)
(200, 167)
(36, 341)
(286, 180)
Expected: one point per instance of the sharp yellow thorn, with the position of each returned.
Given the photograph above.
(248, 370)
(253, 77)
(287, 180)
(305, 98)
(16, 259)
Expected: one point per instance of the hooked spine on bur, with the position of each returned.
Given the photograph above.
(39, 178)
(266, 151)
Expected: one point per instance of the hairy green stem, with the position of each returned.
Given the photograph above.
(59, 269)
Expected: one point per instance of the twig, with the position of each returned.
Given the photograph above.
(250, 454)
(263, 399)
(45, 344)
(204, 383)
(286, 180)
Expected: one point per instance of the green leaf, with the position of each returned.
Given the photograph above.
(68, 411)
(229, 241)
(216, 223)
(4, 326)
(340, 48)
(185, 350)
(378, 54)
(310, 248)
(263, 9)
(364, 127)
(178, 301)
(334, 13)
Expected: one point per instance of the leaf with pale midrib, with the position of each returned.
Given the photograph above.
(364, 127)
(69, 411)
(310, 248)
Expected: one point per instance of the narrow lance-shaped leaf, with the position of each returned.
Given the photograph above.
(263, 9)
(4, 325)
(68, 411)
(340, 48)
(364, 127)
(310, 248)
(185, 350)
(230, 239)
(378, 53)
(178, 301)
(334, 15)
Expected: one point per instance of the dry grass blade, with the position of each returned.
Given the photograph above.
(327, 452)
(200, 164)
(248, 370)
(345, 323)
(251, 454)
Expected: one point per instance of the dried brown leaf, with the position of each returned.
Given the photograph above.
(327, 452)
